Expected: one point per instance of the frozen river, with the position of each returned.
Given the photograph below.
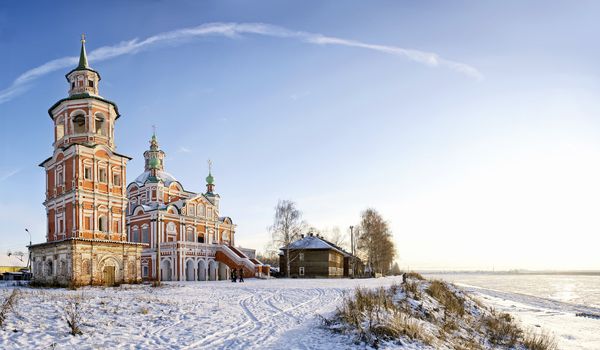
(574, 289)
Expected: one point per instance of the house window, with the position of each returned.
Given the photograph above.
(117, 179)
(301, 256)
(102, 175)
(87, 173)
(301, 272)
(144, 271)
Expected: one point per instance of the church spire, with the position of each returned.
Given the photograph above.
(210, 180)
(83, 63)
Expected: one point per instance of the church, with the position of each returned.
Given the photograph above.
(100, 231)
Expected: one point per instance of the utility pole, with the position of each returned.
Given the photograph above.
(29, 249)
(352, 249)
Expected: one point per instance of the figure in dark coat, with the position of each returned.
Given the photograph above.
(233, 276)
(404, 277)
(241, 275)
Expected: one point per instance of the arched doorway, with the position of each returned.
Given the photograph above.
(165, 270)
(201, 270)
(189, 270)
(111, 271)
(212, 271)
(223, 271)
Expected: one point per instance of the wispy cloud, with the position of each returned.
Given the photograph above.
(229, 30)
(6, 174)
(184, 149)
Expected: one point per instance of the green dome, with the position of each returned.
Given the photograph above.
(153, 163)
(210, 179)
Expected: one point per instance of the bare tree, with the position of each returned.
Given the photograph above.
(287, 228)
(336, 237)
(376, 242)
(18, 254)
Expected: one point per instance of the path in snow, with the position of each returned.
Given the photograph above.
(195, 315)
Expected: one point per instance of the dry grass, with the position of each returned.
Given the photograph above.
(73, 314)
(501, 329)
(415, 275)
(539, 341)
(412, 290)
(8, 305)
(375, 317)
(452, 303)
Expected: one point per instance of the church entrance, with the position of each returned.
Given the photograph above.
(109, 275)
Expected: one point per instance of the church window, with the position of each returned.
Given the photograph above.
(72, 85)
(301, 271)
(100, 124)
(87, 223)
(145, 271)
(60, 180)
(201, 239)
(91, 83)
(225, 236)
(87, 172)
(190, 235)
(79, 124)
(135, 235)
(49, 268)
(102, 175)
(117, 179)
(192, 210)
(60, 129)
(145, 234)
(102, 224)
(201, 210)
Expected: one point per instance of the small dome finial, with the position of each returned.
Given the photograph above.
(83, 63)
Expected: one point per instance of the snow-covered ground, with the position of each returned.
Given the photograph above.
(559, 318)
(273, 314)
(265, 314)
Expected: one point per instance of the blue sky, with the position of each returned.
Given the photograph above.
(490, 157)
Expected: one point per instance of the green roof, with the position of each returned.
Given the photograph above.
(83, 63)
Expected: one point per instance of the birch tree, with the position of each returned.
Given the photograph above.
(375, 241)
(287, 228)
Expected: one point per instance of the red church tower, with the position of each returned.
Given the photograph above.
(86, 240)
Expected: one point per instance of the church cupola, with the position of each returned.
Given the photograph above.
(83, 79)
(154, 157)
(210, 180)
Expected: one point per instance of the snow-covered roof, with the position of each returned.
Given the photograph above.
(162, 175)
(314, 242)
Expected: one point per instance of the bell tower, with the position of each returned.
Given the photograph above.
(85, 177)
(86, 235)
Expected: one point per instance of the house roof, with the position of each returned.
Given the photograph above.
(312, 242)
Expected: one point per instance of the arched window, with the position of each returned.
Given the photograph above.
(102, 224)
(135, 234)
(60, 128)
(145, 234)
(79, 123)
(100, 124)
(225, 236)
(189, 235)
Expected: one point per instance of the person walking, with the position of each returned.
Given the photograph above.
(241, 275)
(233, 276)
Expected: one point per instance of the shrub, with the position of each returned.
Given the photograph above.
(73, 314)
(501, 329)
(451, 302)
(8, 305)
(415, 275)
(539, 341)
